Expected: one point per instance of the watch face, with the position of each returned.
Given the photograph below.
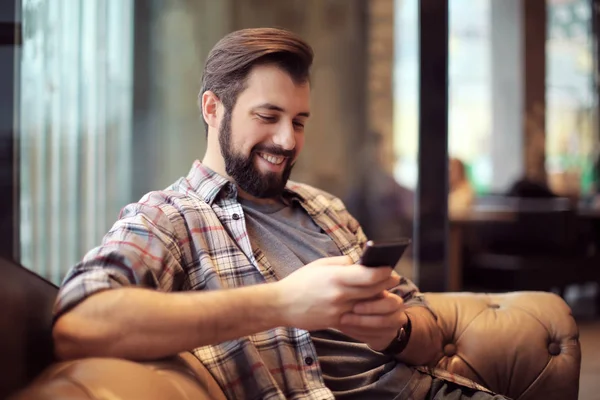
(400, 341)
(401, 334)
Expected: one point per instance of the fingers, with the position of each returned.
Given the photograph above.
(360, 276)
(363, 293)
(383, 321)
(385, 304)
(393, 281)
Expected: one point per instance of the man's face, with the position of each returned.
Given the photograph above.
(261, 138)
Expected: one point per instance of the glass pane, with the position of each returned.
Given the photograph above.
(406, 117)
(470, 92)
(523, 121)
(76, 117)
(406, 92)
(571, 141)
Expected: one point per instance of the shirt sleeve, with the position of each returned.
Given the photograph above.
(141, 250)
(409, 292)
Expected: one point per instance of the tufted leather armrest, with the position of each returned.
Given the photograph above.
(181, 377)
(524, 344)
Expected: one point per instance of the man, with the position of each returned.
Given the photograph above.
(254, 274)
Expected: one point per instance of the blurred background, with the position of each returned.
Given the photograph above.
(470, 126)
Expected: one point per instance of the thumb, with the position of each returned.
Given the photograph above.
(339, 260)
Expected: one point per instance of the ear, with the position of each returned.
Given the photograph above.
(210, 104)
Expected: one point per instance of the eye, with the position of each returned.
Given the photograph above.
(267, 118)
(298, 125)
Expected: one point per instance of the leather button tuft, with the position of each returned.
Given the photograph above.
(495, 306)
(235, 216)
(450, 350)
(554, 349)
(309, 361)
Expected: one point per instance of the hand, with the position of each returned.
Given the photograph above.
(318, 294)
(376, 321)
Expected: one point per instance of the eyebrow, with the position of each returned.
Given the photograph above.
(273, 107)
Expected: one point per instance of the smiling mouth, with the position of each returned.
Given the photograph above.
(275, 160)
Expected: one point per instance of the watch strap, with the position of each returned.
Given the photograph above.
(401, 340)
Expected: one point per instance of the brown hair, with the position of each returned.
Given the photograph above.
(233, 57)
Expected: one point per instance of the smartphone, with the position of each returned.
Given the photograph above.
(383, 254)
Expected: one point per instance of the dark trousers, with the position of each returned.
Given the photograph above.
(443, 390)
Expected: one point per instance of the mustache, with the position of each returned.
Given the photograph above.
(274, 150)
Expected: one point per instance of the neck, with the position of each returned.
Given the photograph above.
(256, 200)
(213, 158)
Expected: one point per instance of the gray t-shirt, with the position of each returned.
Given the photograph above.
(290, 239)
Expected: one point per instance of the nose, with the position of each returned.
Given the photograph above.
(285, 136)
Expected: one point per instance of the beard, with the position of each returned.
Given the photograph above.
(243, 170)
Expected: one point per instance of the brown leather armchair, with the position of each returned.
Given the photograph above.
(523, 344)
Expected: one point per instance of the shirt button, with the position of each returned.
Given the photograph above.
(309, 361)
(235, 216)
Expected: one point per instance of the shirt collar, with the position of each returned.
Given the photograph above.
(209, 184)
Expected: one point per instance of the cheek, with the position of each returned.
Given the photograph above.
(244, 140)
(254, 136)
(299, 144)
(244, 133)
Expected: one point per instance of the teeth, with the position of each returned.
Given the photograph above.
(272, 159)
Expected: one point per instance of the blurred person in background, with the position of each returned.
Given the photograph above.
(529, 188)
(461, 194)
(383, 207)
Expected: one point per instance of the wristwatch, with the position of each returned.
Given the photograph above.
(401, 340)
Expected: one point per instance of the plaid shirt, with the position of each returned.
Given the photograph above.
(192, 236)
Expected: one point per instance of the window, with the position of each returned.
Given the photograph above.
(469, 126)
(76, 116)
(571, 127)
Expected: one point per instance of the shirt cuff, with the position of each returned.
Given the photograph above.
(82, 286)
